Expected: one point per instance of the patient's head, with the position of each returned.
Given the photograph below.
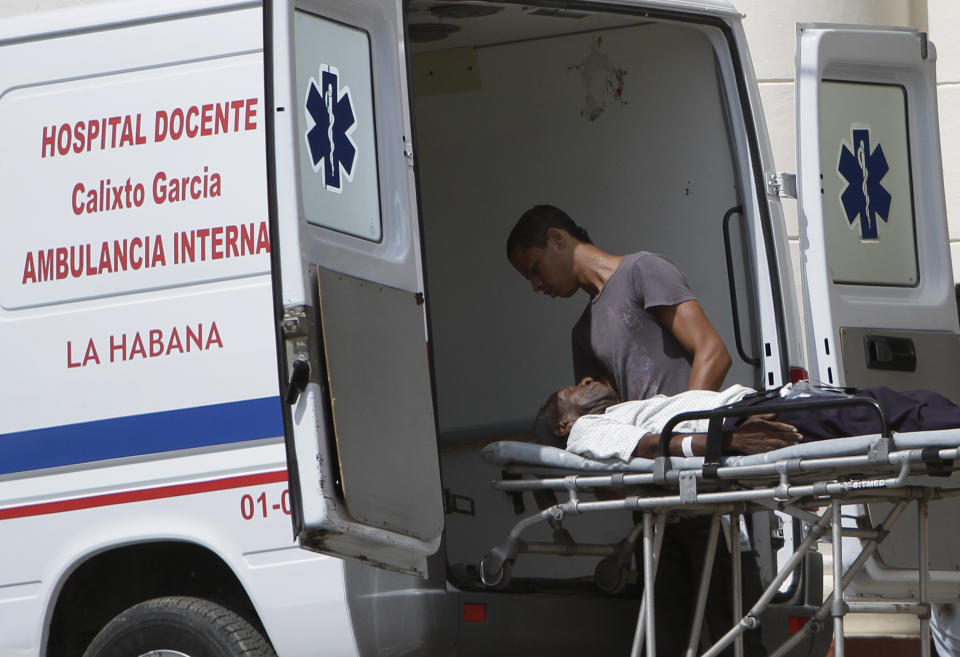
(563, 407)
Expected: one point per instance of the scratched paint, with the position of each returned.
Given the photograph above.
(603, 82)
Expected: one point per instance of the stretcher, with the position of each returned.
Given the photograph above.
(812, 482)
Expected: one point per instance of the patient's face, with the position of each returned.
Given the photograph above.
(588, 396)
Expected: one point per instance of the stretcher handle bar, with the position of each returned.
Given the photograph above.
(716, 416)
(854, 463)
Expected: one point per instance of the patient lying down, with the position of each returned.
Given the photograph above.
(593, 422)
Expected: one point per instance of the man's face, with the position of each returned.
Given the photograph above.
(548, 268)
(588, 396)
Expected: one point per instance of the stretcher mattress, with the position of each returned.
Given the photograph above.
(508, 453)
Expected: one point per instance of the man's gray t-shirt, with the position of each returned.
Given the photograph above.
(618, 334)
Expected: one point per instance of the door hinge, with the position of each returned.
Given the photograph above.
(782, 184)
(408, 152)
(294, 322)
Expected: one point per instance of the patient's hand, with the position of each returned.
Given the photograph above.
(761, 433)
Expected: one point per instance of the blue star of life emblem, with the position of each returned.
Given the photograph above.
(330, 109)
(864, 198)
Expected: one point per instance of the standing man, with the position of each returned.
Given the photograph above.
(643, 330)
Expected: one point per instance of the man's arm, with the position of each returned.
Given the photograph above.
(757, 434)
(690, 326)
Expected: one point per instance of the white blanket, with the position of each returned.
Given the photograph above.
(616, 432)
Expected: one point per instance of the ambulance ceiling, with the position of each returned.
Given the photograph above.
(441, 25)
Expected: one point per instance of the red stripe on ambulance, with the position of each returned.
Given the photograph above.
(143, 495)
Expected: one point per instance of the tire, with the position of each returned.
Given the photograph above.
(179, 626)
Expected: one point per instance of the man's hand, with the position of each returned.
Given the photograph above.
(761, 433)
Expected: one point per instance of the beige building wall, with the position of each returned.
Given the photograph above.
(943, 17)
(15, 7)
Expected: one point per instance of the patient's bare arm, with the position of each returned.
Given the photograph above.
(760, 433)
(757, 434)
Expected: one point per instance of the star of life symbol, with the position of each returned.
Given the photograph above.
(865, 198)
(329, 140)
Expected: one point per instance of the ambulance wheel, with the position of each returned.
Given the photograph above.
(179, 627)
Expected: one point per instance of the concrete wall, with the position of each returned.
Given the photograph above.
(16, 7)
(942, 16)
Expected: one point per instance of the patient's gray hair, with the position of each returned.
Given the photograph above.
(548, 417)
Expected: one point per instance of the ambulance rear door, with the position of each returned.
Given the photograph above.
(348, 283)
(877, 278)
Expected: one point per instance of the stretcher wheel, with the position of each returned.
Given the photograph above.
(611, 575)
(494, 572)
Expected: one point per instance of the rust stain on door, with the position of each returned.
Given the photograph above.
(602, 81)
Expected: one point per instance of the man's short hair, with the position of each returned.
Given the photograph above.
(531, 229)
(548, 417)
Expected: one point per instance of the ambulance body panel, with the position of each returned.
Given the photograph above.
(141, 415)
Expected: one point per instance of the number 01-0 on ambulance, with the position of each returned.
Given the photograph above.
(253, 272)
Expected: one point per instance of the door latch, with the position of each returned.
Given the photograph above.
(296, 328)
(781, 184)
(887, 352)
(299, 377)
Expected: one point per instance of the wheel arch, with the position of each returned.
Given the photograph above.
(105, 583)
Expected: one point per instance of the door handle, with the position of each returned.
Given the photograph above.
(299, 378)
(885, 352)
(732, 285)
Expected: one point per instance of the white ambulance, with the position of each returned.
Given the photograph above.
(253, 272)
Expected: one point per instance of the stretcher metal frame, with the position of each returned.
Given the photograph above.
(812, 490)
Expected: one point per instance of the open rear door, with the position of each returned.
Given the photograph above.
(878, 284)
(361, 437)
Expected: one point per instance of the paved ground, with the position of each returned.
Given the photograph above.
(881, 647)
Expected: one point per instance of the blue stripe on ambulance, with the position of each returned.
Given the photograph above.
(137, 435)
